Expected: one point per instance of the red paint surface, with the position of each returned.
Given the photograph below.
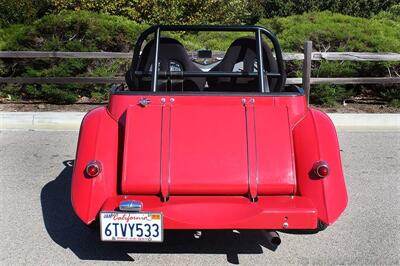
(141, 164)
(211, 154)
(315, 139)
(98, 140)
(228, 212)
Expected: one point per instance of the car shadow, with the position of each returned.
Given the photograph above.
(65, 229)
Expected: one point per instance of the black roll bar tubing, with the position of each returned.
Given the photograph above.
(263, 84)
(155, 63)
(180, 74)
(264, 87)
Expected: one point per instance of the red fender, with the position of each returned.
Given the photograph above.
(98, 140)
(315, 139)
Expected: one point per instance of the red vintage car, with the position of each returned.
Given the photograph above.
(188, 146)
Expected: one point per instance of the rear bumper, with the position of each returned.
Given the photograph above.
(227, 212)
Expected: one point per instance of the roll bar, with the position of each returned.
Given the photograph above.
(257, 30)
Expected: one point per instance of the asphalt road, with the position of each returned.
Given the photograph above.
(37, 225)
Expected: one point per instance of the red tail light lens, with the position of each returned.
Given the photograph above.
(321, 169)
(93, 169)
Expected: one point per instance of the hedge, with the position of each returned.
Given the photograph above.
(143, 11)
(332, 32)
(359, 8)
(67, 31)
(188, 11)
(88, 31)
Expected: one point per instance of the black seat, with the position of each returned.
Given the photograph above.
(243, 51)
(172, 57)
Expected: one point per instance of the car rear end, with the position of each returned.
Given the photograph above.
(210, 162)
(184, 148)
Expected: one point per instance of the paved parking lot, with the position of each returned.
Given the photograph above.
(37, 224)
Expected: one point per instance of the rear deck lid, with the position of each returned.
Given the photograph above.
(207, 146)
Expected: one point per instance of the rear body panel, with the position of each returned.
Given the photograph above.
(244, 159)
(315, 139)
(190, 148)
(228, 212)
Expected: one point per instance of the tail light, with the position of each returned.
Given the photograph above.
(93, 169)
(321, 169)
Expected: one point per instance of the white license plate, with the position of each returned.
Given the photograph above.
(131, 226)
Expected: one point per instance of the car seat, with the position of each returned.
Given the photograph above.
(172, 57)
(243, 52)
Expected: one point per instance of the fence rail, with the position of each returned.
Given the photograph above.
(315, 56)
(308, 56)
(111, 80)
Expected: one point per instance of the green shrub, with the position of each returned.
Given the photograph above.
(393, 13)
(59, 94)
(56, 94)
(189, 11)
(172, 12)
(395, 103)
(361, 8)
(11, 92)
(99, 93)
(67, 31)
(77, 31)
(87, 31)
(328, 95)
(332, 32)
(335, 32)
(391, 95)
(22, 11)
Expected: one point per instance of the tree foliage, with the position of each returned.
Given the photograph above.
(172, 11)
(188, 11)
(359, 8)
(22, 11)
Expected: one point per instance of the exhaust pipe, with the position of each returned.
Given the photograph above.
(272, 237)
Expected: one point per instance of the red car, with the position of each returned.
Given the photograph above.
(223, 146)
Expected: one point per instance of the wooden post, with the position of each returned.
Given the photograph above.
(307, 69)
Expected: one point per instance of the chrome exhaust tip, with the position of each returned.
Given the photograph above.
(197, 234)
(131, 205)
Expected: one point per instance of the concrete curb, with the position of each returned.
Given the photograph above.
(72, 120)
(41, 120)
(373, 121)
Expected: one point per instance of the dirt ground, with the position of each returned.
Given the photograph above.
(84, 107)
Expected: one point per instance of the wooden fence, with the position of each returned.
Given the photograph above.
(308, 56)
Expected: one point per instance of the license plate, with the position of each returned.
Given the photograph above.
(131, 226)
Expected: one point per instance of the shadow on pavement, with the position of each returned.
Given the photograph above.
(68, 231)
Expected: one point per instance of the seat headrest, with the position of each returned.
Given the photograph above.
(244, 50)
(170, 50)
